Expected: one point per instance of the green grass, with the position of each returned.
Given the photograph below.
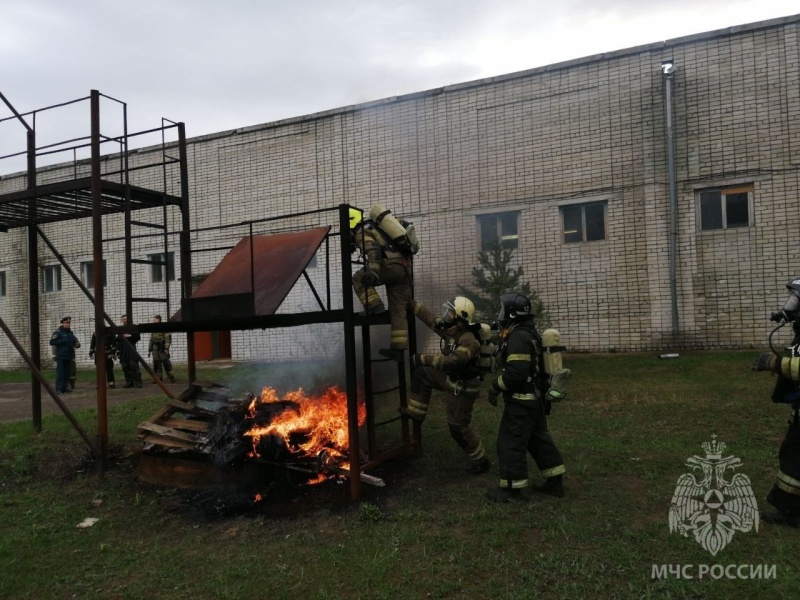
(625, 431)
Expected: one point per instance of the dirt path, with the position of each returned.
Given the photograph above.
(15, 398)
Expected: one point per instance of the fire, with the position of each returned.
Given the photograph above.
(317, 423)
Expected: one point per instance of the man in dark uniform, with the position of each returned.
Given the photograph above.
(64, 343)
(128, 359)
(110, 352)
(453, 371)
(785, 492)
(523, 427)
(159, 350)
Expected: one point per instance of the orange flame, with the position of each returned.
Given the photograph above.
(322, 419)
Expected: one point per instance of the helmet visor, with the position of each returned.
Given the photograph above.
(448, 313)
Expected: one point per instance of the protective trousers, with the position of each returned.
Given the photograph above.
(459, 409)
(73, 374)
(523, 430)
(161, 360)
(62, 374)
(131, 371)
(109, 368)
(785, 493)
(395, 274)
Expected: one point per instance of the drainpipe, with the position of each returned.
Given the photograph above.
(668, 69)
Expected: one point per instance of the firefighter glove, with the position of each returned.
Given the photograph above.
(439, 323)
(369, 278)
(91, 353)
(417, 360)
(493, 395)
(765, 362)
(165, 353)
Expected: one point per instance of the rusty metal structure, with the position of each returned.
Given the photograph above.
(249, 304)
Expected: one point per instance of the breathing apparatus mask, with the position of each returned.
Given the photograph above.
(791, 308)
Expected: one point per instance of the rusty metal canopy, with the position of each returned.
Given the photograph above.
(239, 286)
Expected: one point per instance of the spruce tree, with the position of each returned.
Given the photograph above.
(493, 277)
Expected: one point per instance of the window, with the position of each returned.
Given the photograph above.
(52, 278)
(584, 222)
(2, 284)
(158, 271)
(499, 228)
(87, 274)
(725, 208)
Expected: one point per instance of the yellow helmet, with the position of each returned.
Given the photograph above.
(356, 216)
(463, 308)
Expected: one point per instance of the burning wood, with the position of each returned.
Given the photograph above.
(300, 432)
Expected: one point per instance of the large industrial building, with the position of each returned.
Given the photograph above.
(630, 245)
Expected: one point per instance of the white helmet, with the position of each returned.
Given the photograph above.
(461, 307)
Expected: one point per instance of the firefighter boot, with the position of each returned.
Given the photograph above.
(479, 468)
(503, 495)
(395, 354)
(373, 310)
(552, 486)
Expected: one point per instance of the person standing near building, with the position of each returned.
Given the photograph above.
(64, 343)
(110, 351)
(159, 350)
(523, 426)
(128, 358)
(389, 247)
(453, 371)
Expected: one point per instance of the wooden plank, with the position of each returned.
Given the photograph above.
(171, 433)
(170, 443)
(186, 424)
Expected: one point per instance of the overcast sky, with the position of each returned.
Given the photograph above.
(223, 64)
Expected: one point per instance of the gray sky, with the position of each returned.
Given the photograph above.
(220, 65)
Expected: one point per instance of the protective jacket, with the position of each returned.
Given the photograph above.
(64, 343)
(522, 377)
(159, 344)
(126, 353)
(111, 346)
(460, 352)
(394, 270)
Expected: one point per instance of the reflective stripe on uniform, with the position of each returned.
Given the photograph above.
(479, 455)
(788, 484)
(416, 407)
(513, 357)
(399, 338)
(500, 384)
(523, 397)
(559, 470)
(513, 484)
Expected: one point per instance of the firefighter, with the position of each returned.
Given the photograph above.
(389, 263)
(523, 426)
(453, 371)
(785, 493)
(128, 357)
(64, 343)
(110, 352)
(159, 350)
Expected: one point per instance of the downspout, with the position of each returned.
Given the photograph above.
(668, 69)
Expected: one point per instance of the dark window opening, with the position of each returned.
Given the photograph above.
(584, 222)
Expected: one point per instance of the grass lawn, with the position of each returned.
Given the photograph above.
(629, 425)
